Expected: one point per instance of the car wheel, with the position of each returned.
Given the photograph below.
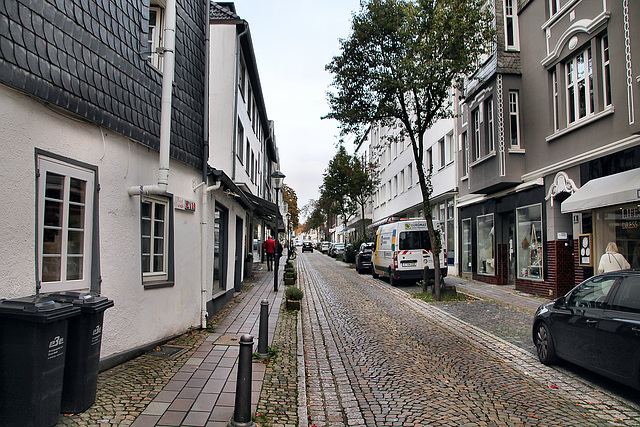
(392, 280)
(544, 344)
(374, 273)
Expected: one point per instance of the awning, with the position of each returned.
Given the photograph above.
(610, 190)
(265, 210)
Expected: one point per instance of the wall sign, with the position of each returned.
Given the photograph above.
(183, 204)
(585, 250)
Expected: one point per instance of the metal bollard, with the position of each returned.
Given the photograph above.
(263, 337)
(242, 410)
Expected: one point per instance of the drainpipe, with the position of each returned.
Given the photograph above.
(235, 102)
(204, 233)
(168, 66)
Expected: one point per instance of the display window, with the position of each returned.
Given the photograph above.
(620, 225)
(486, 240)
(466, 246)
(530, 244)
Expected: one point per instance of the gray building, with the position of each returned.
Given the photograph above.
(549, 159)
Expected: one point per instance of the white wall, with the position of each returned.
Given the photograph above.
(140, 316)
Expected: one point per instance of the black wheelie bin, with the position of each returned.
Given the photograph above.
(33, 344)
(83, 349)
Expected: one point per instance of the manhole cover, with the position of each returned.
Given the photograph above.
(228, 340)
(166, 351)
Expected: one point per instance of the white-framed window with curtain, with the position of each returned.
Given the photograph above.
(490, 144)
(156, 33)
(606, 70)
(514, 119)
(512, 40)
(65, 225)
(579, 83)
(154, 238)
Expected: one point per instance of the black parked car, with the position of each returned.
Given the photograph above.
(363, 257)
(307, 246)
(596, 325)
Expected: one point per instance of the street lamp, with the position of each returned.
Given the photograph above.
(277, 178)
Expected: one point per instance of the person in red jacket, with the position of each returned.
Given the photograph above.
(270, 248)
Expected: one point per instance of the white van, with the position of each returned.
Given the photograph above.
(403, 249)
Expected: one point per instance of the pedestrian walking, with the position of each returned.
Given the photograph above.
(612, 260)
(278, 251)
(270, 248)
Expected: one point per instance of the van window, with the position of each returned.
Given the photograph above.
(414, 240)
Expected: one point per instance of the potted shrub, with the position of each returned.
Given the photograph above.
(293, 295)
(290, 277)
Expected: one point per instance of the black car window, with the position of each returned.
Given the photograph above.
(592, 293)
(628, 296)
(414, 240)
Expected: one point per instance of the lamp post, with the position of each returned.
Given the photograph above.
(277, 178)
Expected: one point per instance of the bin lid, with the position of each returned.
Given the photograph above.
(86, 301)
(36, 308)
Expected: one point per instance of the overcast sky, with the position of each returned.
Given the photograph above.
(293, 41)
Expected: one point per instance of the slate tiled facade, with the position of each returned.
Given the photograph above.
(88, 57)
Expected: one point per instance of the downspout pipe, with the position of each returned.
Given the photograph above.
(204, 212)
(168, 67)
(204, 232)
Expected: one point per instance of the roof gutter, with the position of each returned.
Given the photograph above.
(168, 67)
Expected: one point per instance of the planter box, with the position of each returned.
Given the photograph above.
(289, 280)
(293, 305)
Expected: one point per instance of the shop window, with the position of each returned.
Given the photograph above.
(450, 232)
(620, 225)
(530, 243)
(485, 238)
(65, 225)
(466, 258)
(220, 230)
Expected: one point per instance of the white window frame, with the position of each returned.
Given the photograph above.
(491, 129)
(514, 116)
(443, 152)
(554, 7)
(475, 132)
(163, 274)
(556, 100)
(48, 165)
(156, 34)
(511, 14)
(606, 70)
(573, 81)
(451, 148)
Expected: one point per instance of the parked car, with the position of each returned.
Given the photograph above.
(325, 247)
(595, 325)
(307, 247)
(336, 249)
(363, 257)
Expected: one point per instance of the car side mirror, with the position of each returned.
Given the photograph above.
(561, 302)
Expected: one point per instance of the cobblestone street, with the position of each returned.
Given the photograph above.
(376, 357)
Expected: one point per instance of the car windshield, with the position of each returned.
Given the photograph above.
(414, 240)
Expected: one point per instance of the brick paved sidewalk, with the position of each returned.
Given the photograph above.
(196, 387)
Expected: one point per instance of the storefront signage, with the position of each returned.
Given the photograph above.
(183, 204)
(585, 250)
